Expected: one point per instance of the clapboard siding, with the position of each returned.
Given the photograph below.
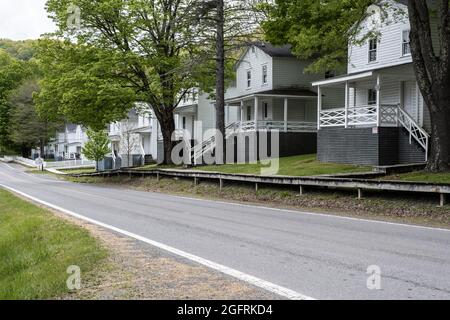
(386, 146)
(253, 60)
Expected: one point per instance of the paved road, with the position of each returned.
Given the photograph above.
(324, 257)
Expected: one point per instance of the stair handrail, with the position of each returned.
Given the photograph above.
(414, 129)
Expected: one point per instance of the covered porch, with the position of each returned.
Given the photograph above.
(381, 98)
(382, 110)
(286, 110)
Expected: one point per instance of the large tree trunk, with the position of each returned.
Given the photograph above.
(432, 69)
(167, 124)
(439, 160)
(220, 79)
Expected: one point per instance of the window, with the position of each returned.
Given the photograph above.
(184, 123)
(406, 45)
(249, 113)
(264, 74)
(372, 97)
(249, 78)
(373, 46)
(266, 110)
(253, 49)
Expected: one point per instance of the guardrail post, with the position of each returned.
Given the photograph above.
(195, 182)
(442, 199)
(360, 193)
(302, 190)
(157, 176)
(256, 187)
(220, 184)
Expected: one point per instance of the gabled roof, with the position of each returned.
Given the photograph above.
(275, 51)
(269, 49)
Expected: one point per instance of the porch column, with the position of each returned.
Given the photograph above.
(227, 114)
(285, 114)
(256, 113)
(378, 100)
(346, 104)
(319, 105)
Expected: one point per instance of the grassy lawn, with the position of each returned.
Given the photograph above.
(36, 248)
(305, 165)
(421, 176)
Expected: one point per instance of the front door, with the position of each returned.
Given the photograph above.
(410, 99)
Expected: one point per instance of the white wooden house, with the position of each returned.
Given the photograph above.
(68, 144)
(272, 91)
(134, 139)
(381, 118)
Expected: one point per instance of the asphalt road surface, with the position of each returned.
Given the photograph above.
(320, 256)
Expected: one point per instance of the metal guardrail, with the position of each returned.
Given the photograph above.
(358, 184)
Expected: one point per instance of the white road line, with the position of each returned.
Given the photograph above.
(271, 287)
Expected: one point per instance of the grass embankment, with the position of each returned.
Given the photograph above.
(78, 171)
(304, 165)
(36, 248)
(422, 176)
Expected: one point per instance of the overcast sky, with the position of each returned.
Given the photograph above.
(23, 19)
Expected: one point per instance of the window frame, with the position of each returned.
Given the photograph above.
(249, 78)
(403, 43)
(265, 74)
(373, 50)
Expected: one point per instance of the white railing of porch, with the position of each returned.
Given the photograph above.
(415, 131)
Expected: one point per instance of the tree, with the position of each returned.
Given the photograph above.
(80, 83)
(97, 147)
(153, 39)
(321, 30)
(228, 25)
(129, 140)
(12, 73)
(27, 128)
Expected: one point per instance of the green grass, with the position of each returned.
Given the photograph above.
(305, 165)
(78, 171)
(421, 176)
(36, 248)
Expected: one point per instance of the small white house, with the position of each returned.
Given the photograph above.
(134, 140)
(68, 144)
(381, 118)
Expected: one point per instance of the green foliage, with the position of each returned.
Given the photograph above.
(21, 50)
(27, 128)
(81, 84)
(12, 74)
(96, 148)
(318, 30)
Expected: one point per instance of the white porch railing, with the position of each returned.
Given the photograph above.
(387, 116)
(414, 130)
(291, 126)
(359, 116)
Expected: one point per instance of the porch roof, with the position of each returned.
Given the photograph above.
(343, 78)
(297, 93)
